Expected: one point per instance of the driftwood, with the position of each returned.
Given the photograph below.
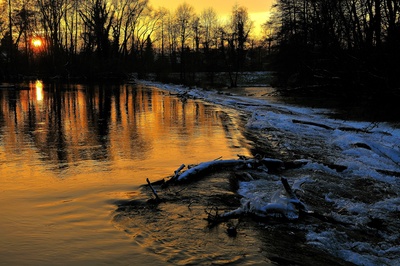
(216, 165)
(283, 204)
(158, 199)
(207, 167)
(177, 171)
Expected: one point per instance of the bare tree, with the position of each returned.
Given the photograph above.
(237, 33)
(184, 15)
(135, 11)
(24, 23)
(210, 24)
(120, 11)
(145, 27)
(392, 22)
(161, 33)
(322, 39)
(196, 31)
(268, 35)
(126, 17)
(3, 20)
(10, 31)
(52, 12)
(172, 34)
(98, 19)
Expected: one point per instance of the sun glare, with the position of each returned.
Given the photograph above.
(37, 43)
(39, 90)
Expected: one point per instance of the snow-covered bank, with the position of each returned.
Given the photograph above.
(364, 194)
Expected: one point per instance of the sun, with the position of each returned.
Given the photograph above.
(37, 42)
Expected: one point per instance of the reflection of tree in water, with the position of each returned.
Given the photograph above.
(56, 136)
(99, 112)
(135, 98)
(9, 103)
(84, 125)
(230, 129)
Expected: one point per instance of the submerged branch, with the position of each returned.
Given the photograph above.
(158, 199)
(177, 171)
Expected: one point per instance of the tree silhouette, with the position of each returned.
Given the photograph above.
(98, 21)
(237, 34)
(184, 15)
(331, 44)
(346, 45)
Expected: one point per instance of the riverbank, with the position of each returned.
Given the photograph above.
(352, 168)
(379, 105)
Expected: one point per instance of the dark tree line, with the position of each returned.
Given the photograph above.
(76, 38)
(109, 38)
(342, 45)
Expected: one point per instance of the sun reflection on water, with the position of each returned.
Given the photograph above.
(65, 154)
(39, 90)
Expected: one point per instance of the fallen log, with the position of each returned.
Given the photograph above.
(202, 168)
(206, 167)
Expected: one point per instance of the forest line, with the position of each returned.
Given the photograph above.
(320, 45)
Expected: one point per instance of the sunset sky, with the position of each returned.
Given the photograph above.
(258, 9)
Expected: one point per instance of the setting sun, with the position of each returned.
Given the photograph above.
(37, 42)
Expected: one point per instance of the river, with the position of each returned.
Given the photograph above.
(70, 153)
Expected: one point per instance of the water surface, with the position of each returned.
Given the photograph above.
(68, 153)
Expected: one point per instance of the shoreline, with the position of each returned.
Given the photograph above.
(353, 166)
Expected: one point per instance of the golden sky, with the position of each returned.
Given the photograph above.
(222, 7)
(258, 9)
